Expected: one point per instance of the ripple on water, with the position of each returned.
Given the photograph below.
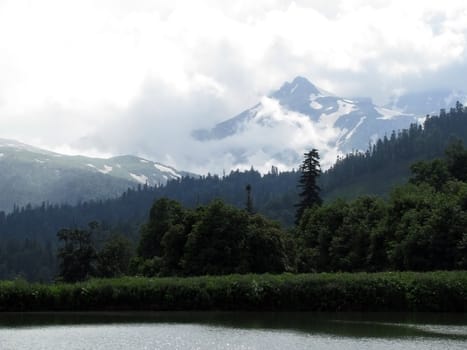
(163, 336)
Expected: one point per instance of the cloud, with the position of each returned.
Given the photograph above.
(157, 126)
(134, 77)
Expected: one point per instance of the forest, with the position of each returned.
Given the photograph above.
(220, 225)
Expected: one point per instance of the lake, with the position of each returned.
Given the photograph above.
(231, 330)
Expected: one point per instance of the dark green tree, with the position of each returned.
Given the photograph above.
(309, 194)
(77, 255)
(113, 259)
(214, 245)
(249, 200)
(264, 247)
(163, 215)
(435, 173)
(456, 160)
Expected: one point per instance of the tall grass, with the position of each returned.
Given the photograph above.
(388, 291)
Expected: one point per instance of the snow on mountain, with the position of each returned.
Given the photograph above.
(297, 117)
(142, 179)
(33, 175)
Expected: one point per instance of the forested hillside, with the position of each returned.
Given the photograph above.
(28, 239)
(28, 234)
(387, 162)
(421, 227)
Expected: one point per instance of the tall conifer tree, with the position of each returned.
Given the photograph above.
(309, 195)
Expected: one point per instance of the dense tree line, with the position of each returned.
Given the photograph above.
(421, 226)
(84, 253)
(129, 211)
(215, 239)
(272, 194)
(328, 234)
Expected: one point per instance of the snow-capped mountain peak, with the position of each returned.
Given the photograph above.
(299, 116)
(300, 96)
(299, 87)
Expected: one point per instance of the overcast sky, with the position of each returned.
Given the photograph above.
(126, 76)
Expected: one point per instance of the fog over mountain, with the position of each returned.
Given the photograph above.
(297, 117)
(105, 78)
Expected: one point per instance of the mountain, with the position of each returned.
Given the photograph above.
(33, 175)
(426, 102)
(310, 116)
(28, 236)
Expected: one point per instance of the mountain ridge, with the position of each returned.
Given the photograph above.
(335, 125)
(31, 175)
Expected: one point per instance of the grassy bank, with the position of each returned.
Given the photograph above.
(405, 291)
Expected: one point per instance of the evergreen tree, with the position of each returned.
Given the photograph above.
(249, 201)
(309, 195)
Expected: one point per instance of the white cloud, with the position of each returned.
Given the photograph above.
(134, 77)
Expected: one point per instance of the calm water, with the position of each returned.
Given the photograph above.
(207, 330)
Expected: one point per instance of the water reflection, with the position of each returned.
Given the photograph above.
(350, 325)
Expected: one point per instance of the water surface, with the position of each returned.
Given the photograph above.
(211, 330)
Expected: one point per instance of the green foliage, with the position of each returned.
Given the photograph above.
(164, 213)
(456, 160)
(434, 173)
(214, 239)
(76, 255)
(408, 291)
(113, 259)
(214, 244)
(249, 200)
(80, 257)
(343, 236)
(419, 227)
(264, 248)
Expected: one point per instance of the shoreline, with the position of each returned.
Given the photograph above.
(439, 291)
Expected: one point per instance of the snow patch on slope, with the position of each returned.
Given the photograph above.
(142, 179)
(349, 135)
(313, 97)
(107, 169)
(315, 105)
(329, 119)
(293, 89)
(165, 169)
(387, 114)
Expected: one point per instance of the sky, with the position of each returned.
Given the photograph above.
(114, 77)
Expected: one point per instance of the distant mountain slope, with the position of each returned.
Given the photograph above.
(314, 117)
(388, 162)
(426, 102)
(28, 235)
(33, 175)
(274, 195)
